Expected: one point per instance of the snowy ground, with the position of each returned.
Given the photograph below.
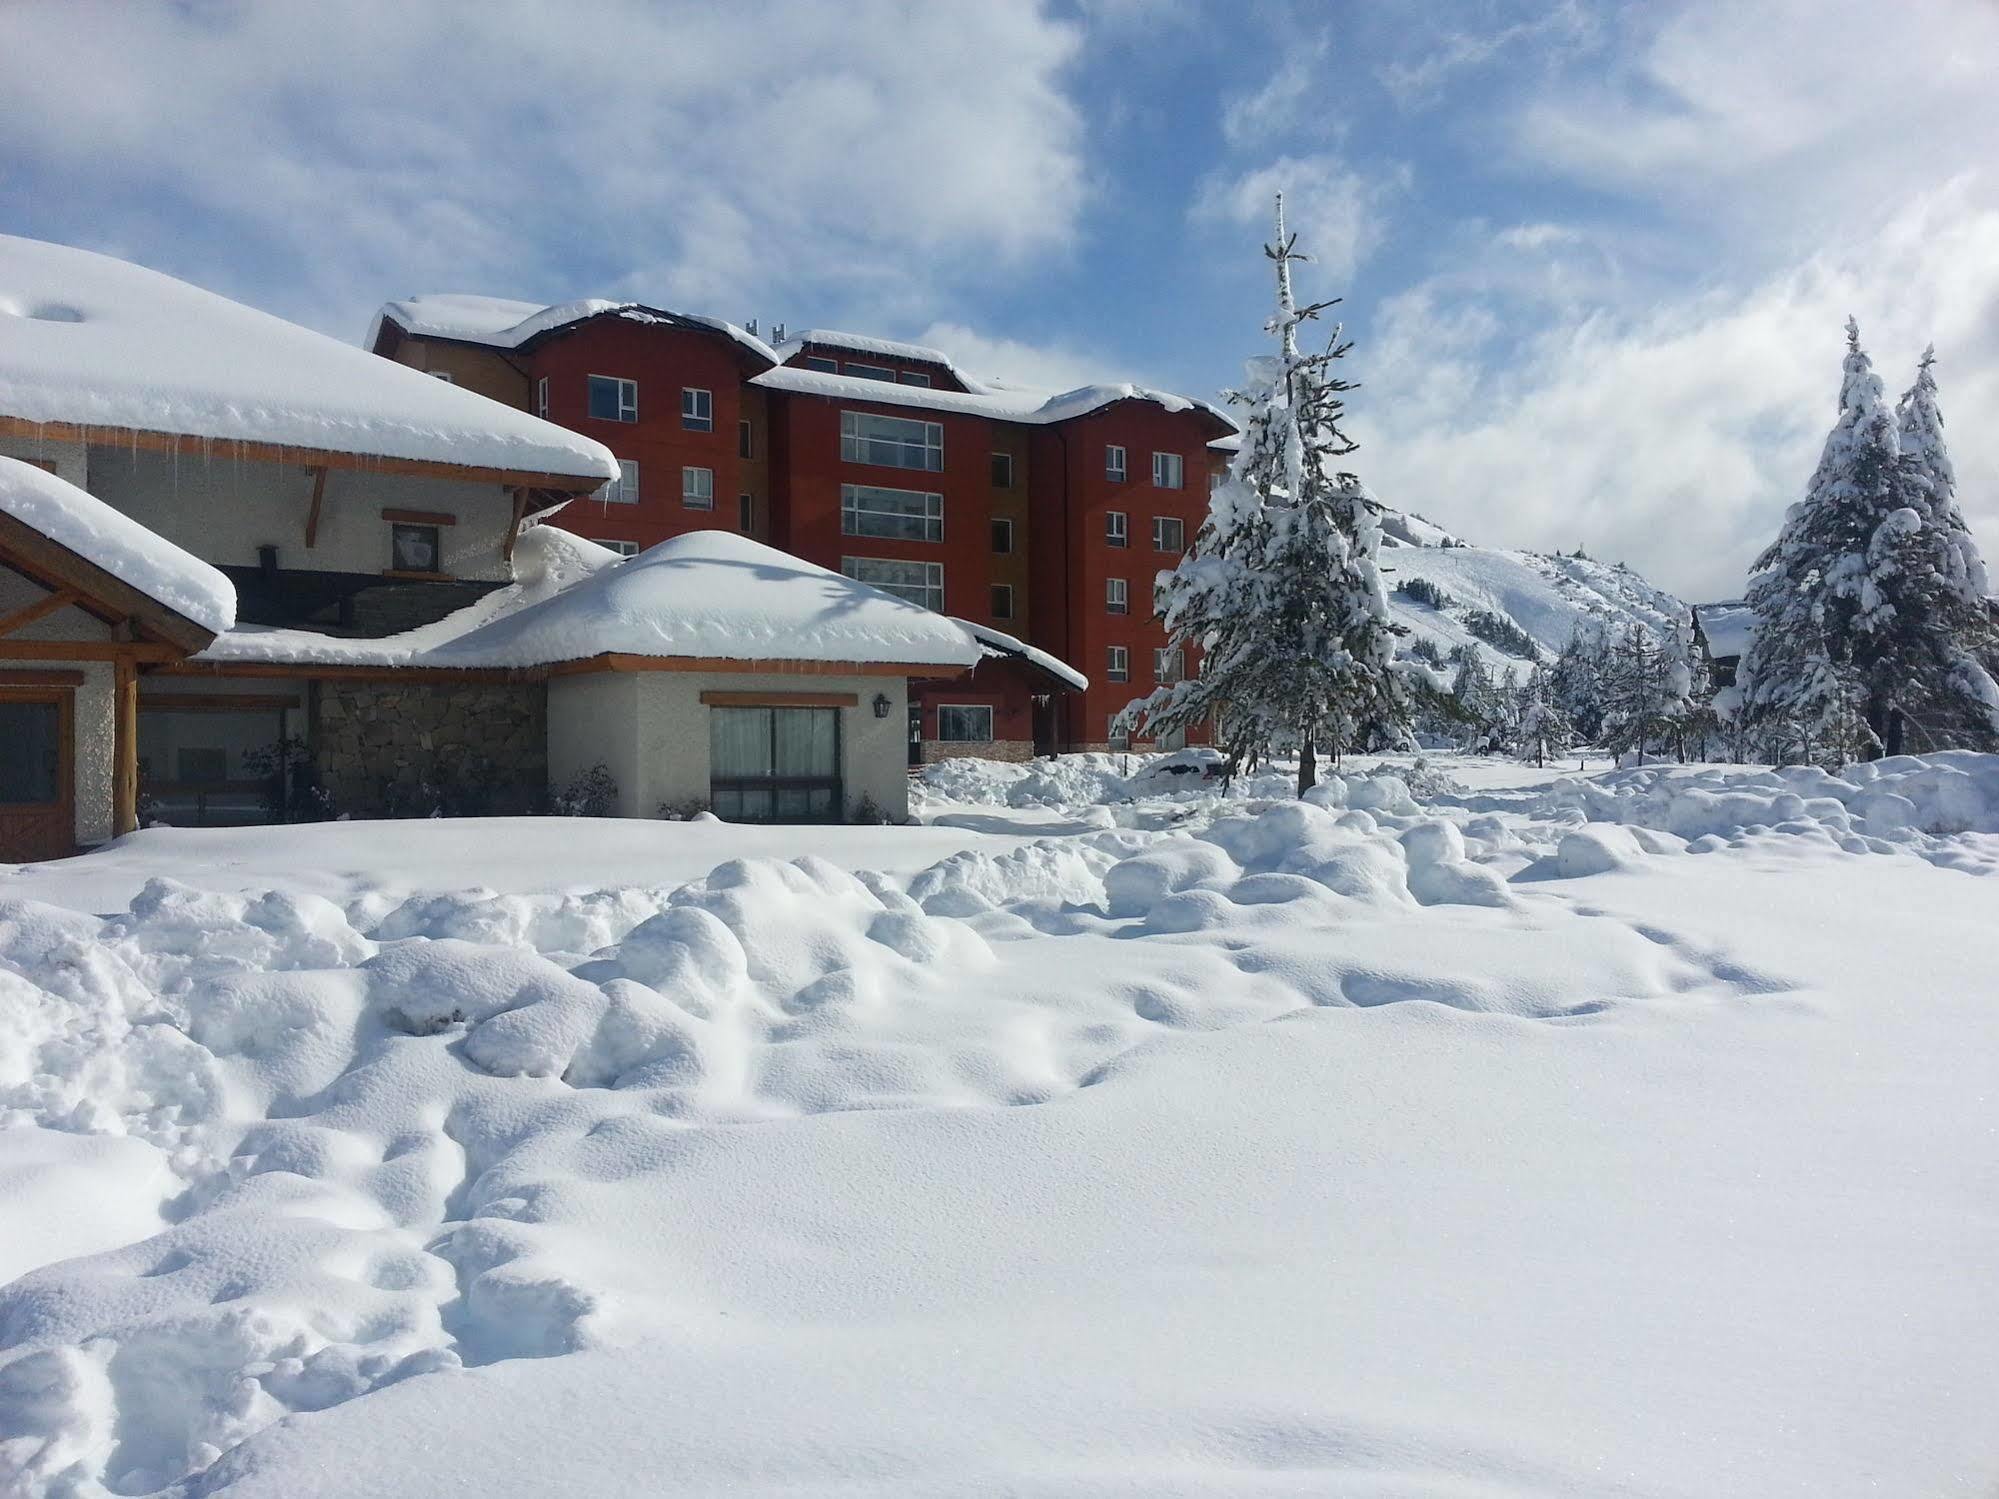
(1537, 1134)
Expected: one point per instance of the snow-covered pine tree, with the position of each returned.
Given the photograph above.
(1281, 591)
(1642, 697)
(1544, 729)
(1868, 619)
(1576, 683)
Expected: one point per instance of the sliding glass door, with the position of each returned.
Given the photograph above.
(775, 764)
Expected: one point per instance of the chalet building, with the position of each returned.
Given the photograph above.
(1040, 518)
(242, 563)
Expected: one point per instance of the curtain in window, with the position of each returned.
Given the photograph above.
(807, 741)
(739, 742)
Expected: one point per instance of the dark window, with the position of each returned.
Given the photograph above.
(1002, 471)
(613, 399)
(202, 766)
(860, 371)
(1114, 463)
(821, 363)
(1003, 537)
(1168, 534)
(1117, 664)
(1117, 596)
(775, 764)
(415, 549)
(891, 441)
(913, 377)
(1117, 528)
(899, 514)
(31, 770)
(744, 443)
(697, 409)
(1002, 601)
(746, 514)
(965, 723)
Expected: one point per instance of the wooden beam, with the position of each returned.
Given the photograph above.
(322, 672)
(622, 661)
(214, 702)
(420, 517)
(25, 676)
(42, 608)
(102, 592)
(85, 650)
(318, 472)
(234, 450)
(125, 747)
(514, 530)
(781, 699)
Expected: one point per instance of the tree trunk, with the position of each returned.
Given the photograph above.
(1877, 725)
(1308, 766)
(1896, 726)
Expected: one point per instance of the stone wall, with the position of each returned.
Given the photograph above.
(1015, 751)
(406, 749)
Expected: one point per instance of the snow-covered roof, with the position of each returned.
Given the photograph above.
(1000, 402)
(500, 323)
(97, 342)
(118, 544)
(1727, 626)
(999, 643)
(708, 594)
(861, 343)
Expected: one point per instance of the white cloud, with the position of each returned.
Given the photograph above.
(322, 157)
(1039, 366)
(1419, 81)
(1339, 214)
(1674, 437)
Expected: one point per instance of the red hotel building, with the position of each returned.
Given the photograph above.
(1042, 519)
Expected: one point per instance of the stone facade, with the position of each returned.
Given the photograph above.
(407, 749)
(1014, 751)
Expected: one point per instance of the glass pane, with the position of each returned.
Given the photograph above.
(808, 741)
(32, 766)
(739, 742)
(415, 548)
(604, 403)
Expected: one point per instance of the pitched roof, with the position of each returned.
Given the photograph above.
(89, 341)
(500, 323)
(118, 546)
(1007, 403)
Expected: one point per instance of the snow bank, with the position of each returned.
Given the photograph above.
(99, 342)
(121, 546)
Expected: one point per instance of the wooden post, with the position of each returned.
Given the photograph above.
(125, 747)
(312, 516)
(514, 530)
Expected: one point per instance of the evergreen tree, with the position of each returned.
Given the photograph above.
(1644, 694)
(1281, 591)
(1544, 729)
(1869, 614)
(1576, 683)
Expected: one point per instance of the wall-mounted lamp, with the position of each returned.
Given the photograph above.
(882, 705)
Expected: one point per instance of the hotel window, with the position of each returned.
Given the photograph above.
(774, 764)
(613, 399)
(861, 371)
(1166, 666)
(745, 443)
(416, 549)
(1117, 664)
(444, 375)
(891, 441)
(697, 488)
(1117, 529)
(622, 548)
(1166, 471)
(919, 582)
(896, 514)
(1168, 534)
(1003, 537)
(541, 397)
(965, 723)
(1114, 463)
(1002, 601)
(1002, 471)
(1117, 596)
(822, 364)
(697, 409)
(913, 377)
(746, 514)
(623, 490)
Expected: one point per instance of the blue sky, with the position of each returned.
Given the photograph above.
(1595, 257)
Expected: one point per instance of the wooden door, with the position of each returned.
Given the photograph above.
(37, 773)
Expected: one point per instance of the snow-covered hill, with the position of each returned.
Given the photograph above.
(1547, 597)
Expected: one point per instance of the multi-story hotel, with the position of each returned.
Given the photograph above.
(1044, 517)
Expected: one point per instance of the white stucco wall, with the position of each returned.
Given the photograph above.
(94, 723)
(650, 729)
(68, 457)
(222, 509)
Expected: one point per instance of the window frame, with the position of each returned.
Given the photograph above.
(616, 544)
(1117, 528)
(973, 708)
(860, 369)
(1168, 665)
(1117, 471)
(819, 364)
(865, 450)
(1179, 467)
(775, 783)
(746, 514)
(1117, 663)
(995, 469)
(623, 490)
(931, 519)
(693, 498)
(436, 548)
(999, 521)
(916, 378)
(849, 566)
(999, 590)
(746, 441)
(624, 387)
(1159, 522)
(541, 398)
(697, 396)
(1117, 596)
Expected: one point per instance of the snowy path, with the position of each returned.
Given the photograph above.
(1458, 1149)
